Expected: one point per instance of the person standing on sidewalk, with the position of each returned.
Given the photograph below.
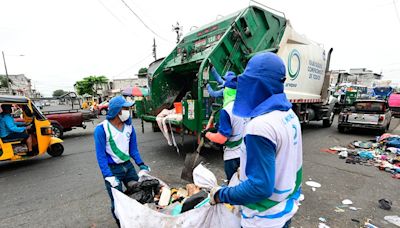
(271, 165)
(115, 142)
(230, 128)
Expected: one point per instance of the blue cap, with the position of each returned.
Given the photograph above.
(115, 106)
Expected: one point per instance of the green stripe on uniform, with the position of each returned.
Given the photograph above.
(232, 144)
(267, 203)
(121, 155)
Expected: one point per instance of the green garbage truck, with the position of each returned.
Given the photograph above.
(227, 44)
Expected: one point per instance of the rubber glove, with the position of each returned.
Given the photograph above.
(144, 167)
(114, 182)
(214, 198)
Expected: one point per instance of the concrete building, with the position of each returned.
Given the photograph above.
(357, 76)
(129, 82)
(365, 77)
(19, 85)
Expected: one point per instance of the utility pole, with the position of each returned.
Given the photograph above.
(178, 29)
(5, 66)
(154, 49)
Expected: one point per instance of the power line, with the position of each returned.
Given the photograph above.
(140, 19)
(397, 12)
(135, 64)
(110, 12)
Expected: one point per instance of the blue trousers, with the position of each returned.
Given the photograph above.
(231, 167)
(124, 172)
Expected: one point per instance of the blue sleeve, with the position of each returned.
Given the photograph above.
(133, 149)
(100, 144)
(217, 77)
(260, 171)
(225, 127)
(218, 93)
(10, 123)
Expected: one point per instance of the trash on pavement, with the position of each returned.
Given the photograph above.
(393, 219)
(322, 219)
(323, 225)
(347, 202)
(385, 204)
(339, 210)
(313, 184)
(383, 153)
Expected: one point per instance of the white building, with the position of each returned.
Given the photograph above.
(19, 85)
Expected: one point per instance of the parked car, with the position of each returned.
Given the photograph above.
(103, 108)
(366, 114)
(394, 104)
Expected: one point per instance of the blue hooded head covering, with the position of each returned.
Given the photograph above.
(230, 80)
(260, 87)
(115, 106)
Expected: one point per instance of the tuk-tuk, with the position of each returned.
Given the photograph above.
(27, 114)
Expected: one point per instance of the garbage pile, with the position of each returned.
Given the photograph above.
(383, 153)
(171, 201)
(150, 202)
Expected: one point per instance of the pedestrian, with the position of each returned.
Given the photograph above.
(230, 128)
(115, 141)
(271, 165)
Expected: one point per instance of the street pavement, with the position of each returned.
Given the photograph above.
(69, 191)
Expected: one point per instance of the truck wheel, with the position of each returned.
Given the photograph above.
(341, 129)
(57, 131)
(329, 122)
(55, 150)
(103, 112)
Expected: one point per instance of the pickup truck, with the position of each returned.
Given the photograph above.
(65, 113)
(366, 114)
(68, 120)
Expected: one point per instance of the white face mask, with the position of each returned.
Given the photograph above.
(125, 114)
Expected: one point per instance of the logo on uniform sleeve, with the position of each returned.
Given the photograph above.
(294, 64)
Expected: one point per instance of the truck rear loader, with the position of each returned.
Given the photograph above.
(228, 44)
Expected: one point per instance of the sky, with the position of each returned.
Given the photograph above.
(63, 41)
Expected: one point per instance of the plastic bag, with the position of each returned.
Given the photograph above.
(204, 178)
(145, 175)
(133, 214)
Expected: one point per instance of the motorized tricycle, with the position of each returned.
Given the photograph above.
(40, 130)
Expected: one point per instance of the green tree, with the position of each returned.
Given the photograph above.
(59, 92)
(142, 70)
(90, 84)
(3, 81)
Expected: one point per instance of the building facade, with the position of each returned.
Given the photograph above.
(19, 85)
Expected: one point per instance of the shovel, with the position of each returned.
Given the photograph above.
(193, 159)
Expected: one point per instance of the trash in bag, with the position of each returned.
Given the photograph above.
(145, 191)
(186, 207)
(194, 200)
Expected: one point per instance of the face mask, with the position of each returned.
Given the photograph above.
(125, 114)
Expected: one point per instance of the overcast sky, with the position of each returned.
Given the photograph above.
(65, 40)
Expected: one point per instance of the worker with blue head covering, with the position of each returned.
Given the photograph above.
(271, 162)
(221, 82)
(115, 141)
(230, 128)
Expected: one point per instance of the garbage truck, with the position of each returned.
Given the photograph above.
(227, 44)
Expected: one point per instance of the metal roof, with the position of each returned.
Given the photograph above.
(13, 99)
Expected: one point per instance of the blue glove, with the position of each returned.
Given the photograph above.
(144, 167)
